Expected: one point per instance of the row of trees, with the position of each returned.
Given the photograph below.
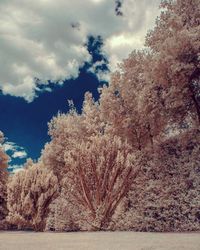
(130, 160)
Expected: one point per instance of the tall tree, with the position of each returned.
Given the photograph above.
(68, 130)
(175, 46)
(155, 93)
(100, 174)
(130, 104)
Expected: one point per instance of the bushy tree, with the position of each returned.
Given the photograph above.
(3, 181)
(95, 170)
(68, 130)
(100, 174)
(30, 192)
(166, 193)
(175, 46)
(157, 90)
(130, 103)
(63, 216)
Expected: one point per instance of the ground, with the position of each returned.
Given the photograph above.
(99, 241)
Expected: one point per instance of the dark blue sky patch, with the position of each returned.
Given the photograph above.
(26, 123)
(94, 46)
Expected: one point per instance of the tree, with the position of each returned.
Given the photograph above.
(100, 174)
(63, 216)
(175, 47)
(68, 130)
(30, 192)
(3, 181)
(131, 105)
(166, 192)
(156, 91)
(65, 130)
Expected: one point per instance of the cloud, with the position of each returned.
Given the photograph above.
(46, 39)
(14, 150)
(8, 146)
(19, 154)
(98, 69)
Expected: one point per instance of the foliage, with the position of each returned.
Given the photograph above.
(3, 182)
(100, 174)
(131, 160)
(166, 194)
(30, 192)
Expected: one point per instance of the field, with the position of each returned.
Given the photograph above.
(99, 241)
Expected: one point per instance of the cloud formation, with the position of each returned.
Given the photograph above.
(19, 154)
(14, 150)
(46, 39)
(16, 154)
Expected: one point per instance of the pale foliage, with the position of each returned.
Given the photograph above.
(159, 88)
(30, 192)
(154, 102)
(62, 215)
(166, 194)
(3, 181)
(130, 105)
(68, 130)
(131, 160)
(100, 174)
(175, 46)
(151, 103)
(96, 176)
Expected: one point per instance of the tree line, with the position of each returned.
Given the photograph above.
(131, 160)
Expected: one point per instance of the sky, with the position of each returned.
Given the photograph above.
(54, 51)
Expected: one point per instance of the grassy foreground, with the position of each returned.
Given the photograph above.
(99, 241)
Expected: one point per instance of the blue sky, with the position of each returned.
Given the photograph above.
(52, 51)
(25, 123)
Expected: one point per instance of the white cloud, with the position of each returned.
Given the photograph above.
(14, 150)
(9, 146)
(45, 39)
(19, 154)
(102, 75)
